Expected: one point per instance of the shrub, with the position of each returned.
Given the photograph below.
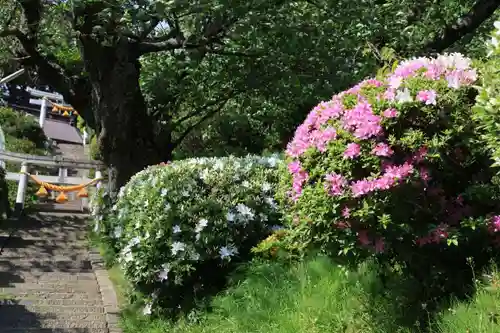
(21, 127)
(394, 166)
(487, 108)
(181, 228)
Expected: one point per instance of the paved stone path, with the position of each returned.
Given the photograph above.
(49, 281)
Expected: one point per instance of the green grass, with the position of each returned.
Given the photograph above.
(315, 296)
(481, 314)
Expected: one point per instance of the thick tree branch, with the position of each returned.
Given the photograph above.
(208, 105)
(208, 115)
(480, 12)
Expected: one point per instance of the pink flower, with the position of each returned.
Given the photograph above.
(390, 113)
(294, 166)
(362, 187)
(379, 245)
(424, 174)
(419, 155)
(335, 184)
(352, 151)
(399, 172)
(362, 121)
(363, 237)
(441, 232)
(384, 183)
(382, 149)
(427, 96)
(494, 224)
(346, 212)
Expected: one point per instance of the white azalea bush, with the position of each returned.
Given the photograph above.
(180, 229)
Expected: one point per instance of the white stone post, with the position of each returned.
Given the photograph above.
(98, 174)
(85, 137)
(2, 146)
(21, 189)
(43, 112)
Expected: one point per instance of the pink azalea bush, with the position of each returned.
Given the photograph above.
(392, 165)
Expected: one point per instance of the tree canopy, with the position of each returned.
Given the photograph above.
(155, 76)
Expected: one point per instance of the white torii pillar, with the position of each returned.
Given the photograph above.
(43, 112)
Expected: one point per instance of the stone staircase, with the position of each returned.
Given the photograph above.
(48, 282)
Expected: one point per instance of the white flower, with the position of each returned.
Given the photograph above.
(185, 193)
(114, 207)
(266, 187)
(146, 203)
(272, 161)
(218, 165)
(204, 174)
(496, 24)
(126, 254)
(246, 183)
(177, 247)
(453, 81)
(494, 42)
(163, 275)
(163, 192)
(227, 251)
(403, 96)
(201, 225)
(263, 217)
(167, 206)
(176, 229)
(147, 309)
(270, 201)
(134, 241)
(121, 192)
(118, 232)
(230, 216)
(245, 211)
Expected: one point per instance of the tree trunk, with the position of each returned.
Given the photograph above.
(129, 137)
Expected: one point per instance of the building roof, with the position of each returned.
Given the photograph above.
(62, 131)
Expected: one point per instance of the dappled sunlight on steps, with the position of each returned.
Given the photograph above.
(47, 283)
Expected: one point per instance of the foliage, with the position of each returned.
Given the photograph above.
(479, 314)
(22, 135)
(94, 149)
(318, 296)
(311, 296)
(23, 128)
(487, 109)
(394, 167)
(259, 65)
(180, 229)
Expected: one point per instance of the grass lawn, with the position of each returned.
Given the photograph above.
(316, 296)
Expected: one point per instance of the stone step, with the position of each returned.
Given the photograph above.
(48, 295)
(44, 258)
(25, 264)
(59, 310)
(54, 324)
(66, 287)
(55, 277)
(55, 330)
(18, 317)
(51, 302)
(27, 253)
